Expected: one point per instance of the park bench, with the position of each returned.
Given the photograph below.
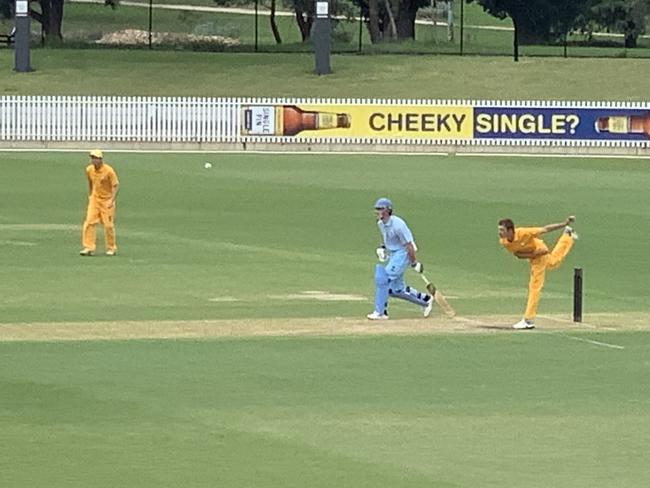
(8, 39)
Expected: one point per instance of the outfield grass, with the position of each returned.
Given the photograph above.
(114, 72)
(530, 410)
(260, 225)
(560, 406)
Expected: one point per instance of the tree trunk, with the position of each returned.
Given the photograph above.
(304, 24)
(373, 21)
(7, 10)
(304, 21)
(515, 39)
(392, 32)
(50, 17)
(630, 40)
(406, 19)
(274, 25)
(45, 17)
(450, 21)
(56, 19)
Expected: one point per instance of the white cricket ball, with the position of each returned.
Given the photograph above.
(207, 165)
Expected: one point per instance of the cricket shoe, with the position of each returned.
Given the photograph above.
(111, 252)
(377, 316)
(568, 230)
(86, 252)
(524, 324)
(426, 310)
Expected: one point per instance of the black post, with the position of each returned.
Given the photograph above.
(22, 38)
(150, 24)
(256, 25)
(360, 27)
(515, 42)
(577, 295)
(462, 22)
(566, 40)
(321, 36)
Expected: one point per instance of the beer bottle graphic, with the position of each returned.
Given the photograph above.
(624, 124)
(288, 120)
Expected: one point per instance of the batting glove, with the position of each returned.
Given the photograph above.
(417, 266)
(382, 255)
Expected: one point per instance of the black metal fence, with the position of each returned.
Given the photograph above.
(453, 28)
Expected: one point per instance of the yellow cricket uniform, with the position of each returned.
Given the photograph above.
(527, 239)
(101, 182)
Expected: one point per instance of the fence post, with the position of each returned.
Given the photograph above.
(360, 27)
(515, 42)
(462, 24)
(150, 22)
(256, 25)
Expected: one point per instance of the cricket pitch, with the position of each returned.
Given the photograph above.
(308, 327)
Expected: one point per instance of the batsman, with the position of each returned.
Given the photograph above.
(397, 250)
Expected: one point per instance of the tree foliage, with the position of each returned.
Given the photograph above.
(6, 9)
(537, 21)
(627, 17)
(542, 21)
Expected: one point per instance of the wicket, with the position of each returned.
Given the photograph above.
(577, 294)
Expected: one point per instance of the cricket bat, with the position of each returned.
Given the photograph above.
(438, 297)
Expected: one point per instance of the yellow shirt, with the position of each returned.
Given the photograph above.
(101, 181)
(526, 239)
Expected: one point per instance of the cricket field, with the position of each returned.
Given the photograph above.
(226, 344)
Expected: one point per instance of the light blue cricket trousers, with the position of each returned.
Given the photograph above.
(389, 281)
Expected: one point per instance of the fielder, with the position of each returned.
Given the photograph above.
(398, 248)
(102, 192)
(524, 243)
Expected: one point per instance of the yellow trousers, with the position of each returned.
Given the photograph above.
(538, 267)
(98, 212)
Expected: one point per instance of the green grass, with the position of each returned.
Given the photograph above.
(265, 225)
(115, 72)
(525, 410)
(530, 410)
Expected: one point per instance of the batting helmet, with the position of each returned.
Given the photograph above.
(384, 203)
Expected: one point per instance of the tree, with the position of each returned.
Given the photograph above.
(390, 19)
(50, 17)
(537, 21)
(304, 12)
(6, 9)
(274, 24)
(625, 16)
(373, 21)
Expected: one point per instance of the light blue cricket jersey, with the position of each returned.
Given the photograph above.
(396, 233)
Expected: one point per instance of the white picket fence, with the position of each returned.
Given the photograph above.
(106, 119)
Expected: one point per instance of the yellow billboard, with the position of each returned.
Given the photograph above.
(363, 121)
